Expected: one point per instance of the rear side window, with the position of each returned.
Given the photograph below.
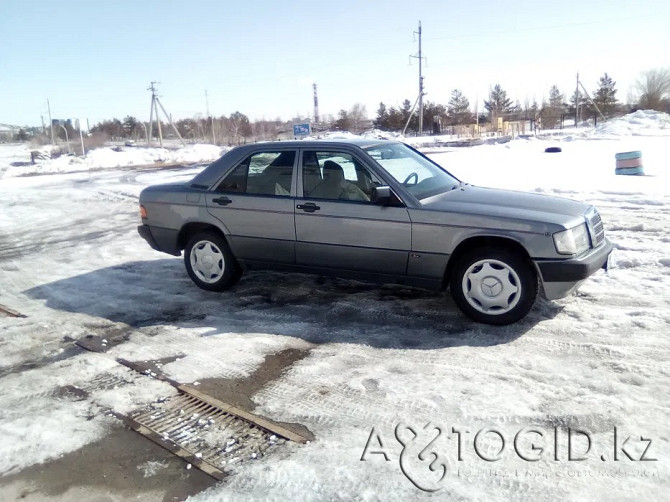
(263, 173)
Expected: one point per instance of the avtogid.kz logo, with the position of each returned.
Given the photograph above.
(428, 450)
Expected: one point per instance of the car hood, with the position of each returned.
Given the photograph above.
(509, 204)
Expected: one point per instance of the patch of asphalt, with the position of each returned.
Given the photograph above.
(121, 466)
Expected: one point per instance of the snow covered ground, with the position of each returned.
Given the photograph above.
(375, 356)
(15, 159)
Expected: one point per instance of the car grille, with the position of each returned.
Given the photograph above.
(596, 229)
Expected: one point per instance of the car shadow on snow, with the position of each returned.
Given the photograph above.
(316, 309)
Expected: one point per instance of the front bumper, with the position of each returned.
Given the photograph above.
(562, 277)
(160, 239)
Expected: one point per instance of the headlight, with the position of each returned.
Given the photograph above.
(572, 241)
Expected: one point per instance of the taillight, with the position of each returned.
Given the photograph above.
(143, 212)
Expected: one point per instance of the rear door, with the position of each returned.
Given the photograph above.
(255, 202)
(337, 226)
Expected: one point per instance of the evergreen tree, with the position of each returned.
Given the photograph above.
(382, 120)
(430, 112)
(605, 96)
(129, 125)
(343, 122)
(498, 103)
(552, 111)
(458, 109)
(555, 98)
(395, 119)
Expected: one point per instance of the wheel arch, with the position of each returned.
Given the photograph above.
(194, 227)
(481, 241)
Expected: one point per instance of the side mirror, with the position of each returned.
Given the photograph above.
(381, 195)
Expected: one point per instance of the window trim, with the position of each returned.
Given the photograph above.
(280, 150)
(300, 193)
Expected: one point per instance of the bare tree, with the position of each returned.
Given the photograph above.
(654, 89)
(357, 115)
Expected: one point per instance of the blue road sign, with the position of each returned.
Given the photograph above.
(301, 130)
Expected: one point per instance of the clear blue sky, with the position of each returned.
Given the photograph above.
(95, 59)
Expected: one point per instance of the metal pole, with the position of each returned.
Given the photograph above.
(211, 119)
(577, 102)
(81, 138)
(411, 112)
(592, 102)
(51, 124)
(420, 87)
(67, 139)
(158, 124)
(169, 120)
(79, 125)
(145, 128)
(151, 117)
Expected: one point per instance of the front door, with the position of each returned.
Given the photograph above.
(337, 227)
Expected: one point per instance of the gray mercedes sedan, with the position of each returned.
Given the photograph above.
(374, 210)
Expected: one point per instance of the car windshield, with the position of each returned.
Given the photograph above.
(420, 176)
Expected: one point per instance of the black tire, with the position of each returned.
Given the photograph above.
(493, 285)
(210, 263)
(553, 149)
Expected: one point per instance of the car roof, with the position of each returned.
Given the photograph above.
(213, 172)
(328, 142)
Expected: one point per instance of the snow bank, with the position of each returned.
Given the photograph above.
(105, 158)
(639, 123)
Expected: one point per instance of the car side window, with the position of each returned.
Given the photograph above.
(336, 176)
(262, 173)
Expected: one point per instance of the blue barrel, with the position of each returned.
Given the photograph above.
(629, 163)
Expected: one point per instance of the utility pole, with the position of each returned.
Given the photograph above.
(420, 57)
(155, 103)
(211, 119)
(151, 114)
(316, 105)
(51, 124)
(577, 102)
(586, 93)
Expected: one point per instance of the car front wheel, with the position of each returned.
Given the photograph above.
(493, 286)
(210, 263)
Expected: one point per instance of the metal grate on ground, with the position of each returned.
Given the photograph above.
(203, 434)
(204, 431)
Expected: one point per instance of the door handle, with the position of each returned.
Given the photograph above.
(222, 201)
(309, 207)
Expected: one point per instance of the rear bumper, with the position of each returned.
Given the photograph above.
(160, 239)
(562, 277)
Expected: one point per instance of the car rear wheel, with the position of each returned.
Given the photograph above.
(210, 263)
(493, 286)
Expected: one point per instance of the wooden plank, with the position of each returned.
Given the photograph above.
(261, 422)
(264, 423)
(10, 312)
(172, 447)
